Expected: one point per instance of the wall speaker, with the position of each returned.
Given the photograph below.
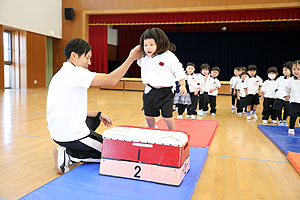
(69, 14)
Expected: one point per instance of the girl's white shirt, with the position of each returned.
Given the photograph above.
(292, 89)
(161, 70)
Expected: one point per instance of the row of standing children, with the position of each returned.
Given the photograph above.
(202, 90)
(282, 93)
(246, 89)
(278, 94)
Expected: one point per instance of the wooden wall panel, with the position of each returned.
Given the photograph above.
(1, 58)
(36, 60)
(112, 52)
(183, 5)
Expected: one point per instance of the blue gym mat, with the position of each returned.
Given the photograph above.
(84, 182)
(279, 136)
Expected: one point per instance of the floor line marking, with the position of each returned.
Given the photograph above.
(250, 159)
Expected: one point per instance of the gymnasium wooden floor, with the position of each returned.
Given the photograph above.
(242, 163)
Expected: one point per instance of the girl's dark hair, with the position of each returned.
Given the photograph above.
(243, 69)
(289, 66)
(191, 64)
(160, 38)
(297, 62)
(216, 68)
(237, 68)
(252, 67)
(205, 66)
(78, 46)
(273, 69)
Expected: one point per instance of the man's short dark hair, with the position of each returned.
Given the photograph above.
(252, 67)
(205, 66)
(160, 38)
(78, 46)
(216, 68)
(191, 64)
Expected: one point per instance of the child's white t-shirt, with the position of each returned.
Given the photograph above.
(233, 81)
(268, 89)
(161, 70)
(241, 87)
(253, 84)
(67, 103)
(214, 83)
(292, 89)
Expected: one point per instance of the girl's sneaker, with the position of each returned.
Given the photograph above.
(193, 117)
(179, 117)
(213, 114)
(265, 121)
(254, 116)
(274, 121)
(188, 116)
(285, 123)
(280, 123)
(291, 132)
(249, 118)
(240, 114)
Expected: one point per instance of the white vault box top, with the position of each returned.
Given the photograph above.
(145, 135)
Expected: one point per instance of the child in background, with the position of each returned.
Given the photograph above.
(292, 94)
(268, 95)
(240, 93)
(252, 90)
(191, 80)
(280, 103)
(214, 87)
(181, 101)
(160, 68)
(243, 69)
(233, 82)
(204, 87)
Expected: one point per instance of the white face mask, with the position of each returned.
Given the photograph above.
(271, 76)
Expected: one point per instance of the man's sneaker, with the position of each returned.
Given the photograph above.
(240, 114)
(179, 117)
(213, 114)
(193, 117)
(254, 116)
(280, 123)
(265, 121)
(61, 159)
(249, 117)
(188, 116)
(285, 123)
(274, 121)
(291, 132)
(200, 113)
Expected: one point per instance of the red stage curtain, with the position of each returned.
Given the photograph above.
(291, 14)
(128, 40)
(98, 41)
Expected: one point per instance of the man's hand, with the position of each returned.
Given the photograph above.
(106, 120)
(135, 53)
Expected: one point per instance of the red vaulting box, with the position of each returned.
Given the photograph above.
(155, 155)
